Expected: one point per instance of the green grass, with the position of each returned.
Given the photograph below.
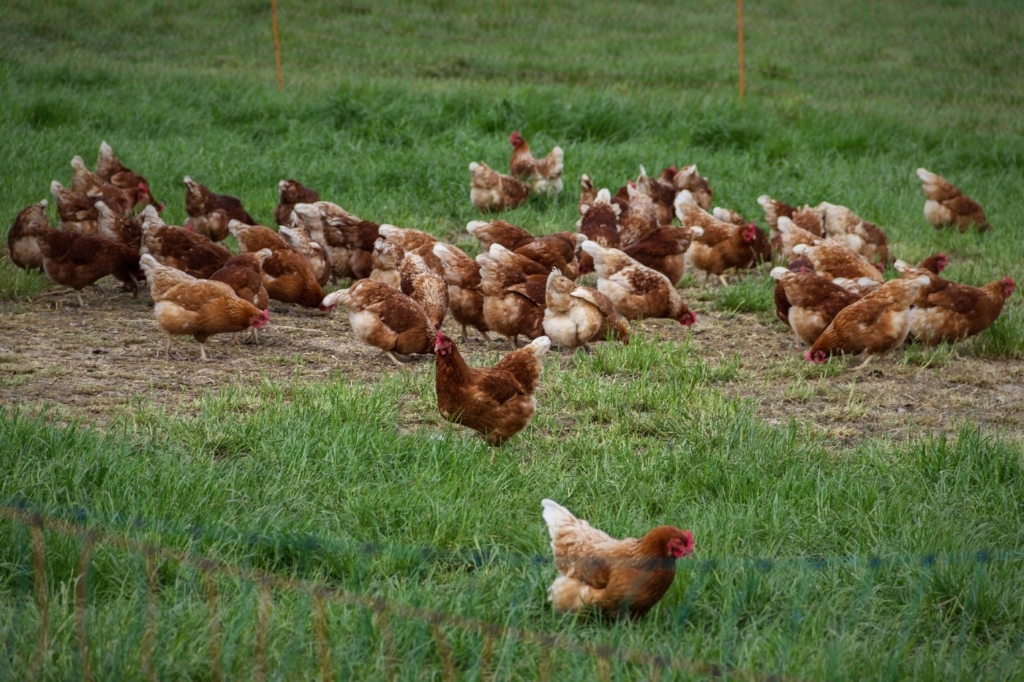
(382, 114)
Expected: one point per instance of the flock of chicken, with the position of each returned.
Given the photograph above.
(831, 292)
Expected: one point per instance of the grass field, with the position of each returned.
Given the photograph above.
(848, 525)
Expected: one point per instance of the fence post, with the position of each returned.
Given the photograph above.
(743, 66)
(277, 45)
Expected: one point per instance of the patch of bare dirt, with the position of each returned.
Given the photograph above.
(93, 362)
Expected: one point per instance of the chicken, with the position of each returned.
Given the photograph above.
(555, 251)
(289, 278)
(465, 298)
(527, 266)
(639, 219)
(112, 224)
(859, 286)
(110, 169)
(946, 205)
(24, 235)
(788, 235)
(347, 240)
(664, 250)
(299, 239)
(77, 210)
(78, 260)
(857, 234)
(414, 241)
(727, 215)
(198, 307)
(587, 193)
(387, 258)
(424, 286)
(289, 193)
(809, 302)
(209, 213)
(543, 175)
(947, 311)
(252, 238)
(492, 191)
(934, 264)
(499, 232)
(832, 260)
(619, 577)
(688, 178)
(180, 248)
(662, 192)
(385, 318)
(577, 315)
(513, 305)
(244, 274)
(599, 223)
(498, 402)
(721, 245)
(634, 289)
(878, 322)
(806, 218)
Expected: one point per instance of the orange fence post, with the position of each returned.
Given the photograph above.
(277, 45)
(739, 22)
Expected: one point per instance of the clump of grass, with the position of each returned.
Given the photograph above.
(751, 294)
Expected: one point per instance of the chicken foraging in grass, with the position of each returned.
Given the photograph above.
(640, 219)
(662, 192)
(788, 235)
(946, 205)
(209, 213)
(347, 240)
(289, 193)
(78, 260)
(619, 577)
(385, 318)
(831, 259)
(574, 315)
(513, 304)
(526, 266)
(634, 289)
(110, 169)
(587, 193)
(555, 251)
(179, 248)
(112, 224)
(252, 238)
(414, 241)
(543, 175)
(721, 246)
(77, 210)
(184, 305)
(387, 259)
(877, 323)
(664, 250)
(599, 222)
(244, 274)
(846, 227)
(689, 179)
(498, 402)
(808, 302)
(24, 235)
(465, 298)
(492, 191)
(299, 239)
(948, 311)
(499, 232)
(287, 275)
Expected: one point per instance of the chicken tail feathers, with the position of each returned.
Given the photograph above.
(556, 516)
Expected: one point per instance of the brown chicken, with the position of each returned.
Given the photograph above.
(527, 266)
(465, 298)
(946, 205)
(424, 286)
(385, 318)
(788, 235)
(110, 169)
(287, 275)
(244, 274)
(727, 215)
(806, 218)
(722, 245)
(619, 577)
(112, 224)
(198, 307)
(513, 304)
(634, 289)
(387, 259)
(831, 260)
(575, 316)
(24, 235)
(78, 260)
(877, 323)
(662, 192)
(347, 239)
(495, 401)
(639, 219)
(948, 311)
(209, 213)
(664, 250)
(587, 193)
(555, 251)
(689, 179)
(543, 175)
(181, 248)
(857, 234)
(77, 210)
(414, 241)
(252, 238)
(499, 232)
(599, 223)
(289, 193)
(809, 302)
(299, 239)
(489, 190)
